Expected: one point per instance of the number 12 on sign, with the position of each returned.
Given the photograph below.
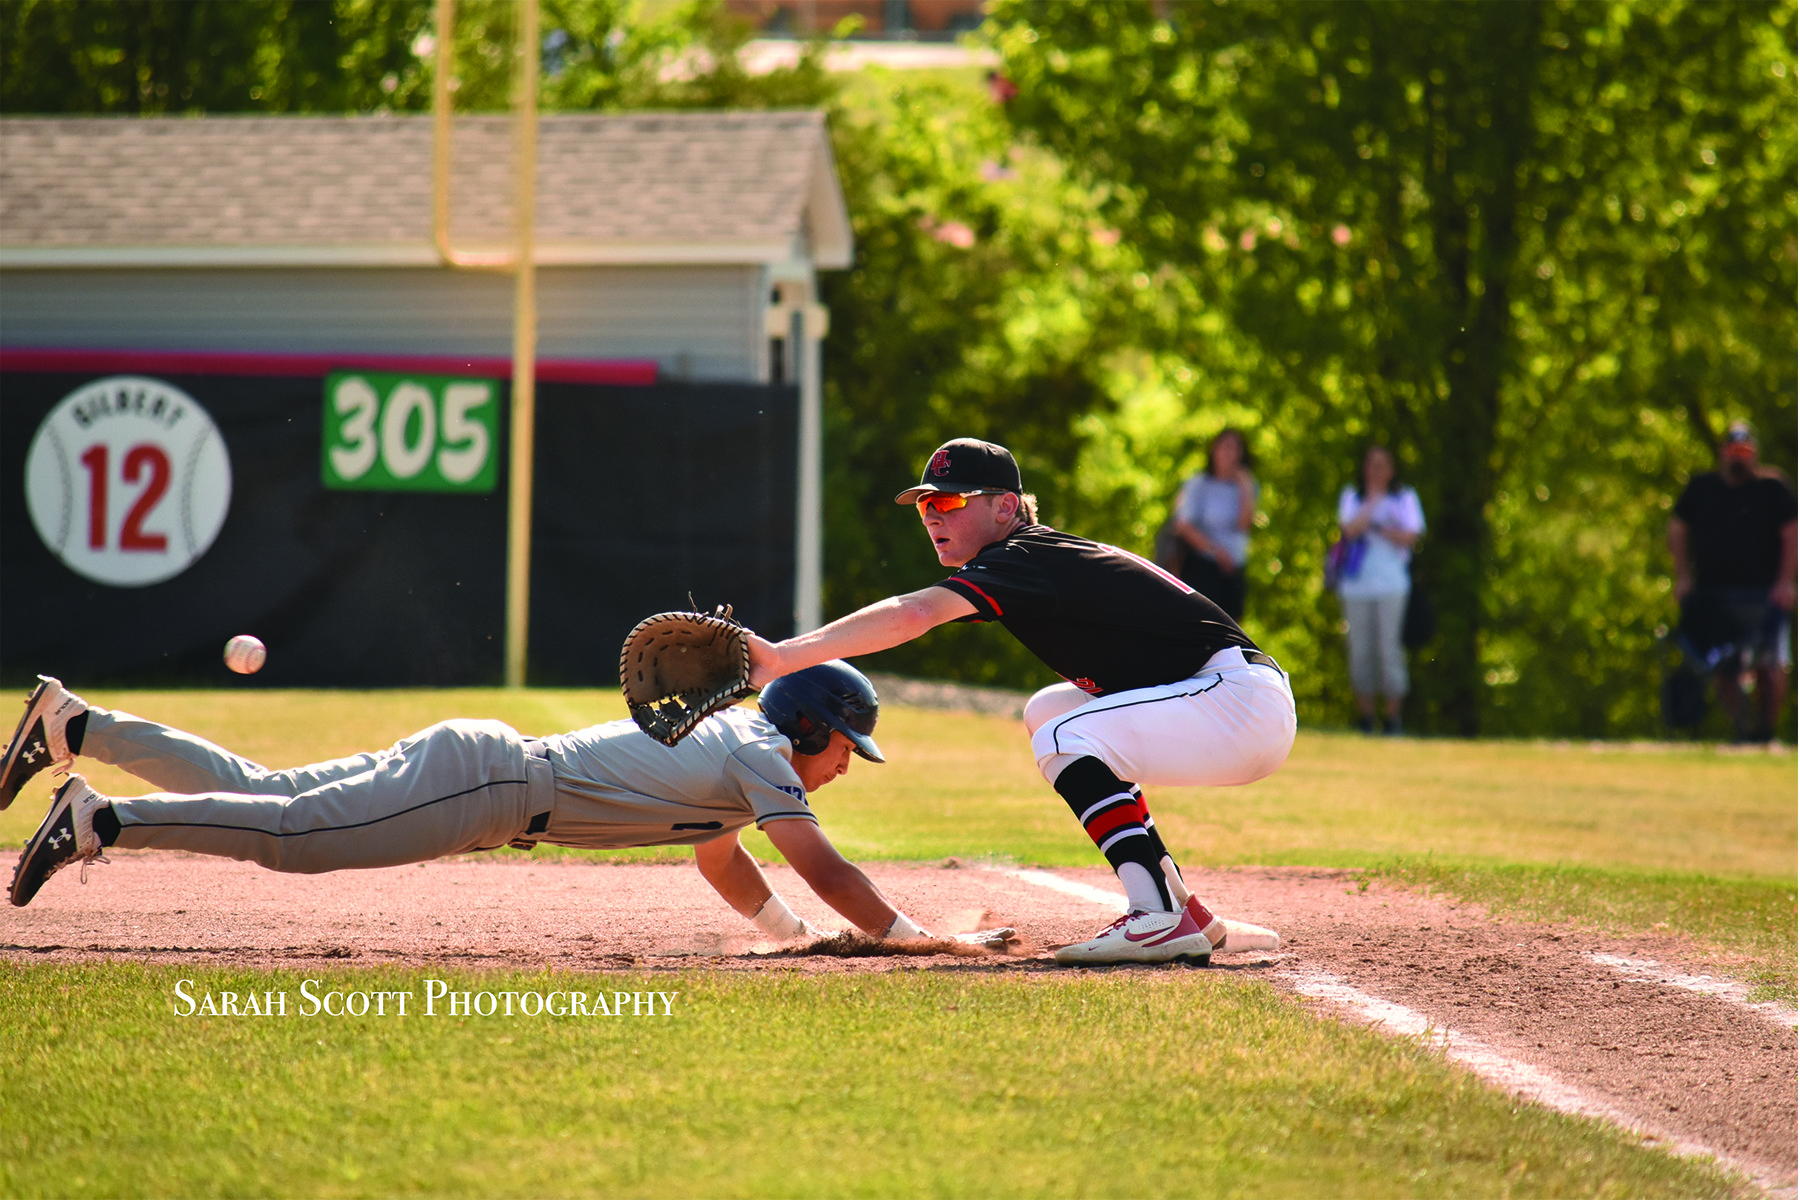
(146, 458)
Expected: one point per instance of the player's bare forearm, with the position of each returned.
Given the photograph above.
(880, 626)
(725, 864)
(836, 880)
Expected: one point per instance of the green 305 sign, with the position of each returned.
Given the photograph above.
(410, 433)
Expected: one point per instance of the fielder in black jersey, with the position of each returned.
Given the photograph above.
(1163, 687)
(1102, 618)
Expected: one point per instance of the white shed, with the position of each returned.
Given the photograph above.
(690, 239)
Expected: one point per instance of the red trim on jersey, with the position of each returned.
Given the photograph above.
(1186, 588)
(992, 603)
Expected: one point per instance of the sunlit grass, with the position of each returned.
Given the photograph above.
(904, 1083)
(1684, 839)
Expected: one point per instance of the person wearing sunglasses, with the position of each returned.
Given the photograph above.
(1164, 689)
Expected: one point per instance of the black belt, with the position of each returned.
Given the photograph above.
(541, 821)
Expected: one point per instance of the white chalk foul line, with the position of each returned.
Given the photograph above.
(1241, 937)
(1647, 970)
(1516, 1077)
(1068, 887)
(1519, 1078)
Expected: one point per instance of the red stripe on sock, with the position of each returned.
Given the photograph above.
(1111, 821)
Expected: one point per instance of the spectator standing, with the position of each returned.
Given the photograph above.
(1212, 518)
(1386, 517)
(1732, 541)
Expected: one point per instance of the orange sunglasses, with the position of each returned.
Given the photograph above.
(948, 502)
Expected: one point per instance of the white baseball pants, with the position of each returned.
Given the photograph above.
(1231, 723)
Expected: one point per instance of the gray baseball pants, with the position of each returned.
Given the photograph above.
(1377, 655)
(456, 787)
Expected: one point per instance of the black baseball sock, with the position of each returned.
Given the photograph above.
(76, 731)
(106, 825)
(1113, 813)
(1156, 843)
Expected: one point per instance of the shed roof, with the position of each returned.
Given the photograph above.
(646, 188)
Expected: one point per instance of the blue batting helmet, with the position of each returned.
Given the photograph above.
(807, 705)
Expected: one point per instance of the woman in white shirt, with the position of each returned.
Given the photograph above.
(1385, 516)
(1212, 517)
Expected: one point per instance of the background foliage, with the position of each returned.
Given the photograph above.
(1544, 251)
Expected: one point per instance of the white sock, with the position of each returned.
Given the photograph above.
(1141, 892)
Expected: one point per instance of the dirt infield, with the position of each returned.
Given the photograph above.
(1686, 1062)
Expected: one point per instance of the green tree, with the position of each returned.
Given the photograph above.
(160, 57)
(976, 308)
(164, 57)
(1512, 240)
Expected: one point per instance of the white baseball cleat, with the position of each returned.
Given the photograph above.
(67, 835)
(41, 740)
(1144, 937)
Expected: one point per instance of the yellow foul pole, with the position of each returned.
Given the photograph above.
(524, 358)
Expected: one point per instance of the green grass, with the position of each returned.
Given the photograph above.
(774, 1084)
(941, 1082)
(1621, 838)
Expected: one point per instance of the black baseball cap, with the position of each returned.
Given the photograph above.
(966, 465)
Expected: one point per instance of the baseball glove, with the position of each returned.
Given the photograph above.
(678, 668)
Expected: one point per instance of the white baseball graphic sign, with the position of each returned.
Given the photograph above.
(128, 481)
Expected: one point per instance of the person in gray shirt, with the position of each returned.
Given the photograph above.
(1213, 516)
(466, 785)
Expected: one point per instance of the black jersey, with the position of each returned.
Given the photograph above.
(1734, 533)
(1101, 617)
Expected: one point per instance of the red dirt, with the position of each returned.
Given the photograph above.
(1690, 1068)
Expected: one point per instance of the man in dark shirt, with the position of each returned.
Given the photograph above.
(1164, 688)
(1732, 539)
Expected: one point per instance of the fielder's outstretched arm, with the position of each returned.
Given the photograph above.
(880, 626)
(725, 864)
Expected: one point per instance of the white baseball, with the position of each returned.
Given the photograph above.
(245, 655)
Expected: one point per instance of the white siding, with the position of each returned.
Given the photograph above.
(701, 322)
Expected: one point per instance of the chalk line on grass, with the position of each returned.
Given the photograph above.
(1520, 1078)
(1517, 1077)
(1241, 937)
(1510, 1074)
(1068, 887)
(1648, 970)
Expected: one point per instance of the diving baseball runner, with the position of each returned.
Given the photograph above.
(466, 785)
(1164, 689)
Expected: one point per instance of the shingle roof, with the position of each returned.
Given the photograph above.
(638, 187)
